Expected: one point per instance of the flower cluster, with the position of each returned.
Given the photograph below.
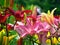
(29, 23)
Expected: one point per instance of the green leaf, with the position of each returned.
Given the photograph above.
(12, 32)
(13, 42)
(11, 19)
(1, 37)
(27, 40)
(15, 7)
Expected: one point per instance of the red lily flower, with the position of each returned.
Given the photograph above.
(3, 18)
(9, 26)
(26, 11)
(19, 15)
(32, 17)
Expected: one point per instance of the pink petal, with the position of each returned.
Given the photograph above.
(22, 31)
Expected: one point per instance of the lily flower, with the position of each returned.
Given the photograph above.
(31, 28)
(48, 17)
(51, 20)
(19, 15)
(10, 26)
(3, 18)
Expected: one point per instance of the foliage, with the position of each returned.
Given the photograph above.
(43, 4)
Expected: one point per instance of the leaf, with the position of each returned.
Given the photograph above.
(1, 37)
(27, 40)
(12, 32)
(13, 42)
(11, 19)
(32, 6)
(14, 7)
(11, 37)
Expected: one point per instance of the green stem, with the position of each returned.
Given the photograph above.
(6, 27)
(51, 41)
(4, 3)
(7, 31)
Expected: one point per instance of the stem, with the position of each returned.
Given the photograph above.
(6, 27)
(11, 3)
(4, 3)
(1, 26)
(15, 22)
(51, 41)
(7, 31)
(31, 39)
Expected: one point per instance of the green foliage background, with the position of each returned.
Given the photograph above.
(44, 4)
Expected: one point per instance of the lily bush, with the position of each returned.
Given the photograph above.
(26, 27)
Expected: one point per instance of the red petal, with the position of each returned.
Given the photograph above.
(26, 11)
(3, 18)
(9, 27)
(56, 17)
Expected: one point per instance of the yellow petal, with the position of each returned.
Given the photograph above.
(59, 39)
(48, 34)
(4, 40)
(38, 41)
(34, 11)
(48, 41)
(55, 41)
(3, 30)
(52, 14)
(23, 8)
(48, 12)
(25, 16)
(36, 36)
(46, 18)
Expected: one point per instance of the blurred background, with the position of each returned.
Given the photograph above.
(44, 5)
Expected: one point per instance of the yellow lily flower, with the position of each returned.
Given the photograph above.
(49, 18)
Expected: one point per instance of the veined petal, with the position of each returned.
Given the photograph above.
(46, 18)
(52, 30)
(22, 31)
(41, 30)
(56, 21)
(36, 26)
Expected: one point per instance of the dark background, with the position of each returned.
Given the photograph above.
(45, 5)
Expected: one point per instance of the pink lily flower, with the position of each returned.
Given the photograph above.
(31, 28)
